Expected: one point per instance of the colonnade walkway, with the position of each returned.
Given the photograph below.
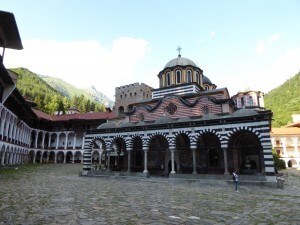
(56, 194)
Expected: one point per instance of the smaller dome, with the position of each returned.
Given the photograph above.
(141, 123)
(206, 80)
(127, 124)
(245, 112)
(107, 125)
(184, 119)
(209, 117)
(180, 61)
(164, 119)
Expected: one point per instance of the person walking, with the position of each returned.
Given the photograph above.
(236, 180)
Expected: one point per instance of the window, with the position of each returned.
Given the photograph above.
(171, 108)
(168, 78)
(206, 88)
(242, 101)
(205, 110)
(189, 77)
(178, 76)
(250, 101)
(141, 117)
(197, 78)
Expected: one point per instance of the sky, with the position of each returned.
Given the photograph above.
(240, 45)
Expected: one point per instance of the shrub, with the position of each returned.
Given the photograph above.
(279, 163)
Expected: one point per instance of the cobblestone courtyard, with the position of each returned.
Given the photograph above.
(55, 194)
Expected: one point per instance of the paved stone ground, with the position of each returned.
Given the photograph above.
(55, 194)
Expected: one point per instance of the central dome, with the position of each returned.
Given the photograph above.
(180, 61)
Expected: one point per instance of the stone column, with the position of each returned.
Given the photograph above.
(129, 161)
(194, 161)
(57, 140)
(73, 157)
(49, 141)
(65, 157)
(41, 159)
(66, 140)
(83, 140)
(36, 139)
(172, 161)
(43, 140)
(295, 141)
(145, 162)
(2, 158)
(225, 161)
(283, 140)
(108, 161)
(2, 127)
(34, 155)
(48, 154)
(74, 140)
(55, 157)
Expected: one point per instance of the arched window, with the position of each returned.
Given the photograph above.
(121, 110)
(250, 101)
(197, 78)
(189, 76)
(168, 79)
(206, 88)
(178, 76)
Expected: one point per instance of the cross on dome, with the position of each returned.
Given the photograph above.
(179, 49)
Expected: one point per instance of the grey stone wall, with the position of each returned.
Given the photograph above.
(130, 94)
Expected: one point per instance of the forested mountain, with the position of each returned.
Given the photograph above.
(284, 101)
(70, 91)
(48, 99)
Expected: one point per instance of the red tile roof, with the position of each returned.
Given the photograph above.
(76, 116)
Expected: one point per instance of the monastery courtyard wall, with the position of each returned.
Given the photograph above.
(56, 194)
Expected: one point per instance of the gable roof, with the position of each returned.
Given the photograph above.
(76, 116)
(9, 33)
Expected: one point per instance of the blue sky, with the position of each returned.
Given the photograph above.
(238, 44)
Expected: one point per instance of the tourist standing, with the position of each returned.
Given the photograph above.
(236, 180)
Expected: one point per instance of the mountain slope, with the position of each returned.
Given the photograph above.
(284, 101)
(49, 99)
(70, 91)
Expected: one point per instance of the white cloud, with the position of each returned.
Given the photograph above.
(212, 33)
(273, 38)
(82, 63)
(262, 44)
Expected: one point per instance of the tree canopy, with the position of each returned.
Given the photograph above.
(284, 101)
(47, 98)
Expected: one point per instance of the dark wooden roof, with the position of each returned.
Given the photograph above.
(9, 33)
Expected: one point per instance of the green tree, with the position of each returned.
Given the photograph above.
(279, 163)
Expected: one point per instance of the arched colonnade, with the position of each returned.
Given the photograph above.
(207, 151)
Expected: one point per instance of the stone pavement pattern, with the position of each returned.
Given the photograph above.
(55, 194)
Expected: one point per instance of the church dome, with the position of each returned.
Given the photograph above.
(164, 119)
(206, 80)
(180, 61)
(107, 125)
(184, 119)
(127, 124)
(245, 112)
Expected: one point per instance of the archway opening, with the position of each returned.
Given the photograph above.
(119, 155)
(137, 162)
(209, 156)
(245, 153)
(157, 155)
(185, 154)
